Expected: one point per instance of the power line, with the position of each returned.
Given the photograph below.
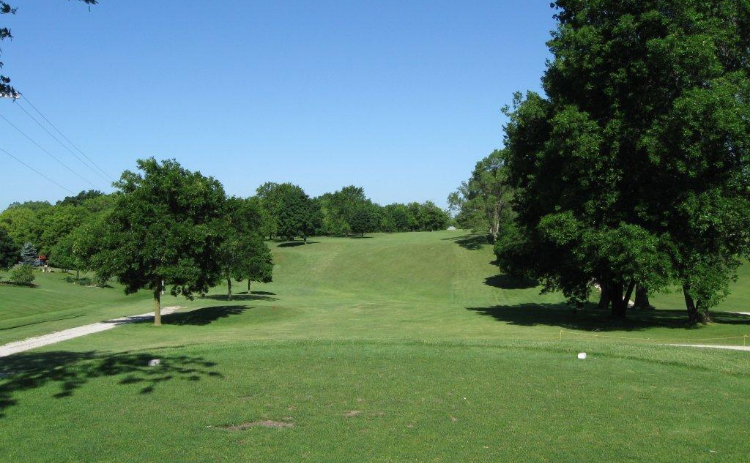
(58, 141)
(26, 99)
(36, 171)
(48, 153)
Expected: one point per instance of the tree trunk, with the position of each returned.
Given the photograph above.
(229, 289)
(78, 278)
(641, 298)
(696, 314)
(157, 306)
(604, 299)
(248, 285)
(619, 300)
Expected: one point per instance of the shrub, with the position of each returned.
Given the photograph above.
(22, 275)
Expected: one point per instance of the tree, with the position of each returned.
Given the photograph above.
(483, 201)
(8, 251)
(269, 196)
(22, 275)
(297, 214)
(364, 220)
(58, 222)
(432, 217)
(243, 250)
(5, 88)
(260, 264)
(80, 199)
(400, 216)
(24, 222)
(638, 150)
(29, 254)
(77, 250)
(165, 231)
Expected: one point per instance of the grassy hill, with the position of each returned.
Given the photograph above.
(403, 347)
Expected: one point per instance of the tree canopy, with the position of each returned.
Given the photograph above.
(164, 231)
(633, 168)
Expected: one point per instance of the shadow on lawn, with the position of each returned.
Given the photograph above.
(204, 316)
(503, 281)
(470, 242)
(592, 319)
(294, 244)
(72, 370)
(240, 297)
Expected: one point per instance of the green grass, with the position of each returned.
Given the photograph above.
(443, 360)
(53, 304)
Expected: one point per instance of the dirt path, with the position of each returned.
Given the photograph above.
(708, 346)
(59, 336)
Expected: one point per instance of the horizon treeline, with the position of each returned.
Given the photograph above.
(284, 212)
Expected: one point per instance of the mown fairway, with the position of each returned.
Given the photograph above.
(403, 347)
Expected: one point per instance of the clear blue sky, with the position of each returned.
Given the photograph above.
(399, 97)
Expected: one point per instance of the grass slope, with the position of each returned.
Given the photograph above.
(404, 347)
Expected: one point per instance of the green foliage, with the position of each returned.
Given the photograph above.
(29, 254)
(165, 227)
(243, 254)
(22, 275)
(482, 203)
(364, 220)
(81, 198)
(9, 251)
(633, 168)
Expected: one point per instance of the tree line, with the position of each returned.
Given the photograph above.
(167, 227)
(631, 173)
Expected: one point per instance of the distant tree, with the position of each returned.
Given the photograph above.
(80, 199)
(400, 216)
(297, 215)
(269, 196)
(29, 254)
(77, 249)
(165, 231)
(484, 200)
(242, 247)
(432, 217)
(58, 222)
(364, 220)
(24, 222)
(9, 251)
(22, 275)
(5, 88)
(260, 265)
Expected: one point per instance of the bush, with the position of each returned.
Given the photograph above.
(22, 275)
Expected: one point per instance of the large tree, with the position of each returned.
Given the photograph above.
(638, 150)
(164, 232)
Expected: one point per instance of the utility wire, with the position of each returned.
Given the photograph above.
(36, 171)
(61, 143)
(48, 153)
(26, 99)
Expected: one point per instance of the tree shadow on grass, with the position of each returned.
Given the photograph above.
(72, 370)
(204, 316)
(294, 244)
(470, 242)
(592, 319)
(240, 297)
(503, 281)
